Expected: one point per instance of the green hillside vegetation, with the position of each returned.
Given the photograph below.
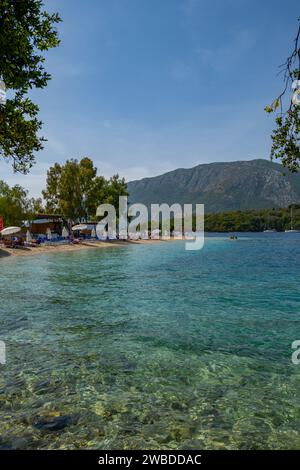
(253, 220)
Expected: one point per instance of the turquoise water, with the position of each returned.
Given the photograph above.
(151, 346)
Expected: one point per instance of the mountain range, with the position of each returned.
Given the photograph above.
(227, 186)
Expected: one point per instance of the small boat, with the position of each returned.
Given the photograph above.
(233, 236)
(270, 231)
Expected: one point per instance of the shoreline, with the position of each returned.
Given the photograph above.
(64, 248)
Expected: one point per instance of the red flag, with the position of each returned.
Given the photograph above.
(1, 224)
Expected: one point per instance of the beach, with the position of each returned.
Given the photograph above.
(68, 247)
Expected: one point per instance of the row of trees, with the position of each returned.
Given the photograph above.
(73, 190)
(253, 220)
(15, 205)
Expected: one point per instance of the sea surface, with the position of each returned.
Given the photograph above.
(153, 347)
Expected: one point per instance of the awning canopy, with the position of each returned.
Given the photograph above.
(44, 221)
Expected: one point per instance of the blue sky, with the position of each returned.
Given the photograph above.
(147, 86)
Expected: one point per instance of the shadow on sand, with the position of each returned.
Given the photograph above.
(9, 251)
(4, 253)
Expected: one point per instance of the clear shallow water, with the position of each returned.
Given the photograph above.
(152, 346)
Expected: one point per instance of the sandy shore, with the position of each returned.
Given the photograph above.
(28, 251)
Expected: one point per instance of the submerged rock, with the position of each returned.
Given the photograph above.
(5, 446)
(55, 423)
(16, 443)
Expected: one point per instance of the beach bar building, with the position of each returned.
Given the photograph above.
(43, 224)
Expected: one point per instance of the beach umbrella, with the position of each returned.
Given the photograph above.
(49, 234)
(93, 234)
(10, 231)
(155, 233)
(79, 227)
(28, 236)
(65, 232)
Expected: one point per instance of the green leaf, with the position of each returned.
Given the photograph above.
(269, 109)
